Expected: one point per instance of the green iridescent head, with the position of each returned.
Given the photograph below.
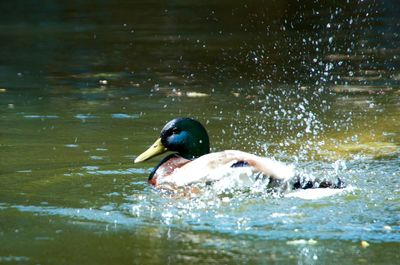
(185, 136)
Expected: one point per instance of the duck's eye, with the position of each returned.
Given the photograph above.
(175, 131)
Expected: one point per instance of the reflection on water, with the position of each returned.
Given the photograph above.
(86, 87)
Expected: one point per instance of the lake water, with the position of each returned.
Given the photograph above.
(87, 86)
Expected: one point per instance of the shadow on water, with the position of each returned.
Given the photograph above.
(85, 87)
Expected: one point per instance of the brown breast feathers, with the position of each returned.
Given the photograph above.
(166, 168)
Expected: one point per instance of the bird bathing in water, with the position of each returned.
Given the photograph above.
(193, 163)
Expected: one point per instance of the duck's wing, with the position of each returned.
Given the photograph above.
(217, 165)
(267, 166)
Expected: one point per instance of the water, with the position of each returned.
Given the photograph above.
(85, 88)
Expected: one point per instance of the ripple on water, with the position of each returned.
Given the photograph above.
(124, 116)
(356, 213)
(104, 215)
(14, 259)
(85, 116)
(41, 116)
(92, 170)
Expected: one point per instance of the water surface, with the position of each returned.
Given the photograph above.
(86, 87)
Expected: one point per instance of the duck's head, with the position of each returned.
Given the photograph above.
(185, 136)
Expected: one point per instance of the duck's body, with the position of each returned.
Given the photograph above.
(179, 171)
(166, 168)
(193, 162)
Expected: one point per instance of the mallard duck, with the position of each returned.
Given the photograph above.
(192, 161)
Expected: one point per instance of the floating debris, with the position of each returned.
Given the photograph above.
(364, 244)
(96, 157)
(361, 89)
(362, 78)
(101, 149)
(102, 76)
(24, 171)
(196, 94)
(71, 145)
(190, 94)
(3, 90)
(103, 82)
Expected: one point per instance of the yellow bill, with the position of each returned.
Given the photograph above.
(156, 149)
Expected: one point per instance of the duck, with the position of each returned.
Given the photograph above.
(192, 162)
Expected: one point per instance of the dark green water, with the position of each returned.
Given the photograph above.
(86, 86)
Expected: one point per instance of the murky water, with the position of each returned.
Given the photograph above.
(86, 87)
